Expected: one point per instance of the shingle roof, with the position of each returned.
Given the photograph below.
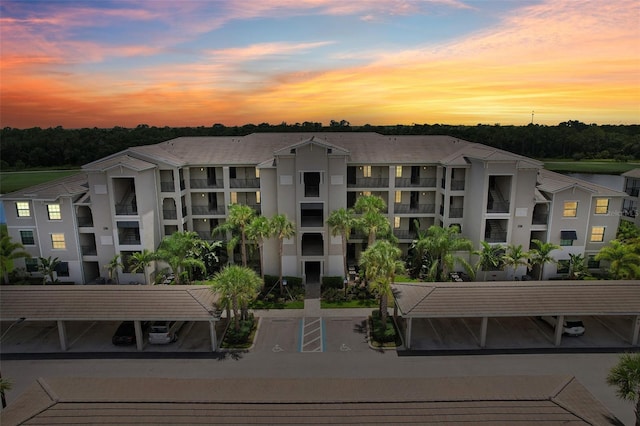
(106, 303)
(416, 401)
(553, 182)
(518, 298)
(119, 160)
(67, 186)
(635, 173)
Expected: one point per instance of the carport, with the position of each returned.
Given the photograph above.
(139, 304)
(519, 299)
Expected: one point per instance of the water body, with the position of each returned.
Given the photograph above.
(615, 182)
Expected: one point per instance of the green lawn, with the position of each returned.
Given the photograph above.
(14, 181)
(590, 166)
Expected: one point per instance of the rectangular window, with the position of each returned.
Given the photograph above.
(565, 243)
(257, 173)
(398, 196)
(27, 238)
(31, 264)
(568, 237)
(234, 198)
(257, 197)
(570, 209)
(57, 241)
(597, 234)
(366, 171)
(62, 269)
(23, 209)
(592, 263)
(602, 205)
(54, 211)
(398, 171)
(396, 222)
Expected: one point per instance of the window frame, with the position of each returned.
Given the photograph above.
(595, 234)
(398, 171)
(366, 171)
(54, 211)
(22, 238)
(396, 222)
(31, 264)
(398, 197)
(58, 241)
(21, 207)
(606, 207)
(566, 209)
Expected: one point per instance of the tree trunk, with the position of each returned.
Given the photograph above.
(383, 311)
(243, 250)
(372, 238)
(638, 411)
(344, 255)
(280, 250)
(261, 251)
(236, 314)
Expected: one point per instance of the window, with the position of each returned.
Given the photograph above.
(396, 222)
(257, 173)
(398, 196)
(257, 197)
(597, 234)
(23, 209)
(592, 263)
(62, 269)
(398, 171)
(602, 205)
(366, 171)
(27, 238)
(568, 237)
(570, 209)
(57, 241)
(54, 211)
(31, 264)
(234, 198)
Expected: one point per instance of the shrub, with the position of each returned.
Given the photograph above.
(333, 295)
(242, 335)
(379, 334)
(332, 282)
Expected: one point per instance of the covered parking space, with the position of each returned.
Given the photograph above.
(63, 304)
(519, 299)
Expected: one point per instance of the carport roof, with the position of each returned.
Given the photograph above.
(518, 298)
(450, 400)
(106, 303)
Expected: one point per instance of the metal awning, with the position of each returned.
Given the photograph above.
(568, 235)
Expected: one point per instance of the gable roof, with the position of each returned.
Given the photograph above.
(553, 182)
(416, 401)
(119, 160)
(315, 141)
(69, 186)
(635, 173)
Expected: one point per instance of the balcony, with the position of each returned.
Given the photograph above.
(369, 182)
(169, 214)
(85, 221)
(206, 183)
(127, 209)
(89, 250)
(455, 213)
(405, 234)
(457, 185)
(129, 236)
(244, 183)
(540, 218)
(415, 208)
(207, 210)
(205, 235)
(167, 186)
(420, 182)
(495, 231)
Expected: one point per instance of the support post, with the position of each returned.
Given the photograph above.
(483, 332)
(636, 331)
(408, 334)
(214, 338)
(559, 330)
(62, 334)
(139, 336)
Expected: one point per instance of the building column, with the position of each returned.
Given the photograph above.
(483, 332)
(214, 339)
(636, 331)
(408, 334)
(62, 334)
(139, 336)
(559, 329)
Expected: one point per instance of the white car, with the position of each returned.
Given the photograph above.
(163, 332)
(571, 326)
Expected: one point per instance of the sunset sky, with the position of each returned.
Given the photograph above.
(196, 63)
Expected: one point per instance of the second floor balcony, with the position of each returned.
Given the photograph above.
(244, 183)
(369, 182)
(207, 210)
(414, 208)
(206, 183)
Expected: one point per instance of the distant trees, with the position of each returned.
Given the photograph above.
(38, 147)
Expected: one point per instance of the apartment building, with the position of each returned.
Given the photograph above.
(631, 203)
(130, 200)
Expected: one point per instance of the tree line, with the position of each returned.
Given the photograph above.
(56, 146)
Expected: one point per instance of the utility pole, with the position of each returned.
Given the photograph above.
(532, 116)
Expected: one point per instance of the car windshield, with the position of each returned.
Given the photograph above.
(572, 324)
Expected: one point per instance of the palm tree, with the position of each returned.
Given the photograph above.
(372, 222)
(625, 376)
(112, 268)
(140, 261)
(47, 266)
(419, 249)
(490, 258)
(369, 203)
(206, 251)
(515, 257)
(258, 230)
(624, 263)
(177, 250)
(282, 229)
(381, 262)
(239, 217)
(237, 285)
(441, 245)
(340, 223)
(578, 267)
(541, 255)
(9, 251)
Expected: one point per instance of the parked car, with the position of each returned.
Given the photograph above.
(126, 333)
(571, 326)
(163, 332)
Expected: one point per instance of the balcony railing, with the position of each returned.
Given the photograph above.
(89, 250)
(496, 237)
(421, 182)
(369, 183)
(498, 207)
(205, 235)
(457, 185)
(206, 183)
(540, 219)
(244, 183)
(207, 210)
(169, 214)
(405, 234)
(85, 221)
(126, 209)
(168, 186)
(632, 192)
(455, 212)
(417, 208)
